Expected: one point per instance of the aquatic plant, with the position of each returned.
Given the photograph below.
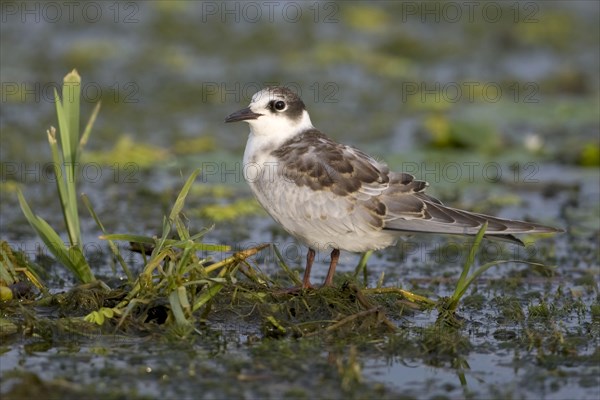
(65, 164)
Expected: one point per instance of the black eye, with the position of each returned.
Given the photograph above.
(279, 105)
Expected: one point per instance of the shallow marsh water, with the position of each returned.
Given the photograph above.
(375, 75)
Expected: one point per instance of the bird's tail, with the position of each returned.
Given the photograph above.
(448, 220)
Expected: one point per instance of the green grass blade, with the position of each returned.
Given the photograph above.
(161, 243)
(203, 232)
(88, 127)
(207, 295)
(177, 308)
(7, 270)
(129, 238)
(185, 257)
(178, 206)
(71, 258)
(79, 264)
(286, 269)
(489, 265)
(68, 135)
(61, 185)
(180, 244)
(183, 300)
(113, 247)
(70, 102)
(155, 260)
(169, 242)
(460, 285)
(182, 230)
(63, 125)
(476, 274)
(362, 264)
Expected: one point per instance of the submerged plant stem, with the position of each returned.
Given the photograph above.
(415, 298)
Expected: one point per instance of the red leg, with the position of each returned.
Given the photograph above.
(310, 257)
(335, 255)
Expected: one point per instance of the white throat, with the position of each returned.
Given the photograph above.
(267, 133)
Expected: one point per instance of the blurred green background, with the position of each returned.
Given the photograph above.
(480, 76)
(495, 103)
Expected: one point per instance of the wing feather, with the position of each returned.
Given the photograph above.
(378, 198)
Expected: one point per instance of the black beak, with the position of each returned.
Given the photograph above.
(242, 115)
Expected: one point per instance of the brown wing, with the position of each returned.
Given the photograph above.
(312, 159)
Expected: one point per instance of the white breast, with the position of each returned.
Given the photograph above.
(319, 219)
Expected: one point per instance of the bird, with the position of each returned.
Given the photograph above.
(332, 196)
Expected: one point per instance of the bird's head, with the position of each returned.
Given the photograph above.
(274, 112)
